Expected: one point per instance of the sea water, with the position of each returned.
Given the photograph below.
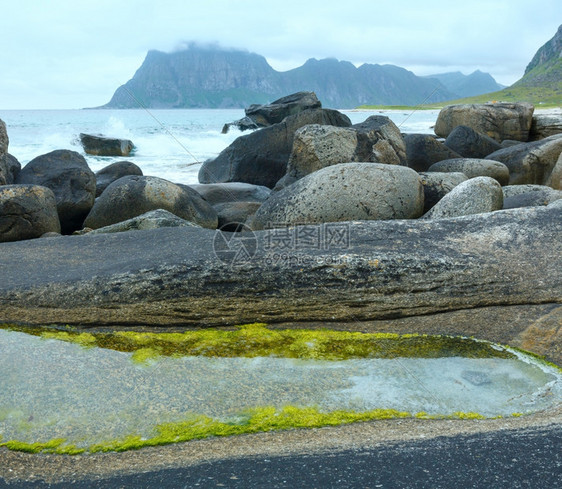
(170, 144)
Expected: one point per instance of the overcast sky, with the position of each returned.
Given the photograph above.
(74, 54)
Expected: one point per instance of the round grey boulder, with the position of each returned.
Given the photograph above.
(68, 175)
(475, 196)
(423, 150)
(9, 169)
(345, 192)
(379, 140)
(261, 157)
(474, 167)
(98, 145)
(514, 190)
(115, 171)
(471, 144)
(14, 167)
(499, 121)
(233, 214)
(149, 220)
(276, 111)
(436, 185)
(515, 196)
(27, 212)
(317, 146)
(531, 163)
(220, 193)
(545, 125)
(134, 195)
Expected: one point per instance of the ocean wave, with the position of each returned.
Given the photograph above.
(170, 144)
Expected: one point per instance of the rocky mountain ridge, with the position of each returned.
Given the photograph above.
(207, 77)
(545, 69)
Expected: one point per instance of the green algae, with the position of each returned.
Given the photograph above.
(256, 420)
(84, 339)
(470, 415)
(257, 340)
(144, 355)
(50, 446)
(253, 421)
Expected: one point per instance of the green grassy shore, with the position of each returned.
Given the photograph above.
(541, 98)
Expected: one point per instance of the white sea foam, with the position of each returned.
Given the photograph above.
(170, 144)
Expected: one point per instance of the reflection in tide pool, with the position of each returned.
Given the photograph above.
(55, 389)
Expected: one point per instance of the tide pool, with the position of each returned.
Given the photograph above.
(98, 398)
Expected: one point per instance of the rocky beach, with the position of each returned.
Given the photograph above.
(308, 221)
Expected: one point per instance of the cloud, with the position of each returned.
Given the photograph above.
(72, 54)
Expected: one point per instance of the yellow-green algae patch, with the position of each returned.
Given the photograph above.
(84, 339)
(56, 445)
(256, 340)
(253, 421)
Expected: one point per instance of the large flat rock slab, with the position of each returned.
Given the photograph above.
(378, 270)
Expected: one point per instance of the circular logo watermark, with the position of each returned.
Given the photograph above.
(237, 247)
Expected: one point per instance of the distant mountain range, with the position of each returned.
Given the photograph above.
(209, 77)
(461, 85)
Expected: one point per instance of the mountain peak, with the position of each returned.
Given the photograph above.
(210, 76)
(545, 69)
(550, 51)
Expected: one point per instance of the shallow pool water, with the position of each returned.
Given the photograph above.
(56, 389)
